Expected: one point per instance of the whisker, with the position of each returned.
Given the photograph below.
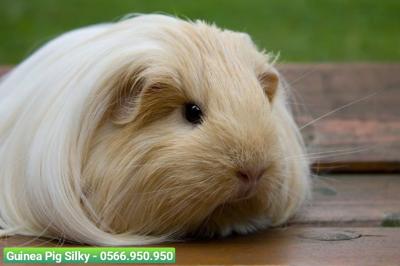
(338, 109)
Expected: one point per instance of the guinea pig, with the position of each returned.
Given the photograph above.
(146, 130)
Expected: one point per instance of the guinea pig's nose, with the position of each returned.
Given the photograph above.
(250, 175)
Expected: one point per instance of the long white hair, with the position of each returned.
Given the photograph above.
(42, 127)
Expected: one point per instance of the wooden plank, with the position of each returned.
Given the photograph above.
(352, 200)
(285, 246)
(365, 128)
(298, 246)
(363, 134)
(4, 70)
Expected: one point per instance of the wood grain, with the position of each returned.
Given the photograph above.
(362, 131)
(298, 246)
(363, 134)
(352, 200)
(284, 246)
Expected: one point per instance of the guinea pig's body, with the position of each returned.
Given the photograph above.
(146, 130)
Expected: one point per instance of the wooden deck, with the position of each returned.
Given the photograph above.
(360, 114)
(354, 217)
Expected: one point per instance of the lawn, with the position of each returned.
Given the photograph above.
(300, 30)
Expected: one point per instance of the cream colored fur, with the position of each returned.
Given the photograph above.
(94, 147)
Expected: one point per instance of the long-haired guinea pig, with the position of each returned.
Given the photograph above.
(147, 130)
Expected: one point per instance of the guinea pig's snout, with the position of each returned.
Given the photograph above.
(248, 179)
(250, 176)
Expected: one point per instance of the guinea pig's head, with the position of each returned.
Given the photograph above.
(196, 139)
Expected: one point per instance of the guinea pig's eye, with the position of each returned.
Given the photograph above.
(193, 113)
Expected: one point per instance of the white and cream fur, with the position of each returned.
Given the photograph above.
(94, 147)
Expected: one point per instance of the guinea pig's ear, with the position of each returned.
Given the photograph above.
(269, 81)
(130, 85)
(143, 96)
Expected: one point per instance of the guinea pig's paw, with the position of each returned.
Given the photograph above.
(245, 228)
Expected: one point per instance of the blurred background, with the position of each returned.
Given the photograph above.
(300, 30)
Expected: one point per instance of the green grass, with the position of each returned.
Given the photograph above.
(391, 220)
(315, 30)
